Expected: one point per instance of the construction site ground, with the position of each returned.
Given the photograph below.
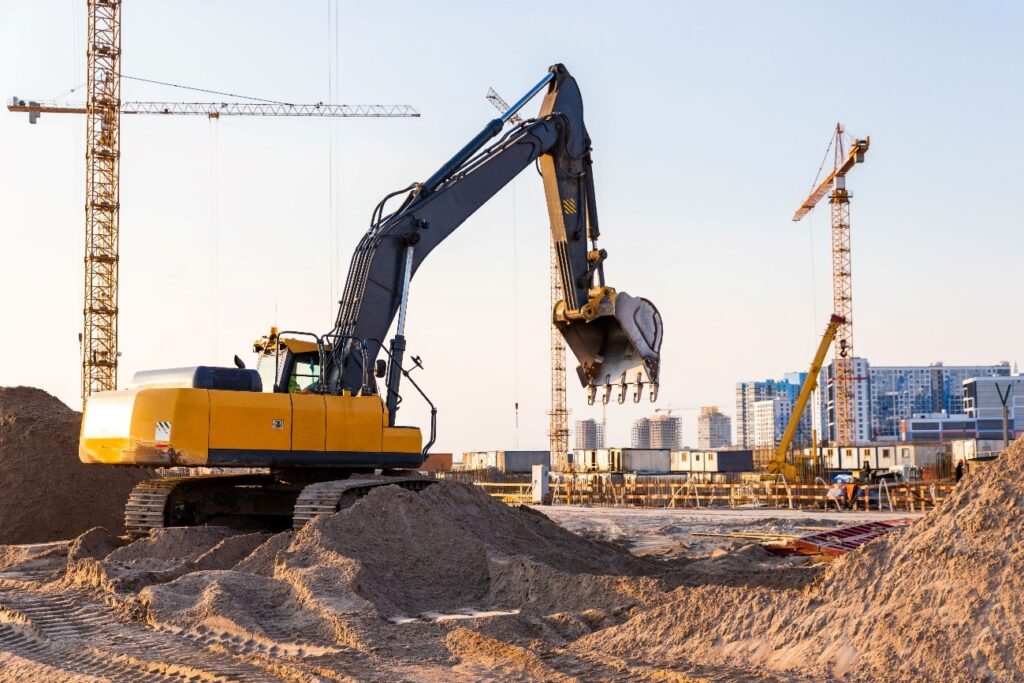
(450, 584)
(675, 532)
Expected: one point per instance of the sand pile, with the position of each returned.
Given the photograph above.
(441, 585)
(939, 600)
(46, 494)
(164, 556)
(398, 555)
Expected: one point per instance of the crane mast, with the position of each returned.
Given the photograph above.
(844, 368)
(103, 109)
(102, 156)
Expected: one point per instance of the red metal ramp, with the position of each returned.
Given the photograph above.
(836, 542)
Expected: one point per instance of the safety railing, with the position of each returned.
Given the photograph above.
(677, 492)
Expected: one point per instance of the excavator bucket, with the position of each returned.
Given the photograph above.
(617, 344)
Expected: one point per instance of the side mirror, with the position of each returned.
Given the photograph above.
(381, 368)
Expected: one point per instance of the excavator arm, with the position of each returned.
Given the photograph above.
(615, 337)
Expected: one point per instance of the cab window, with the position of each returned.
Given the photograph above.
(305, 372)
(268, 372)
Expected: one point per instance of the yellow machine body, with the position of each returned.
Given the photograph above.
(175, 426)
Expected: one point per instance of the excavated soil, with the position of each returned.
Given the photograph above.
(47, 493)
(939, 600)
(448, 584)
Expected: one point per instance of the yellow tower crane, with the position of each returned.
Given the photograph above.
(103, 109)
(844, 376)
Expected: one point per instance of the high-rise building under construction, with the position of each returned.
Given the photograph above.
(660, 431)
(714, 430)
(589, 434)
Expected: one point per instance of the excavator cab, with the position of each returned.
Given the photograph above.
(288, 365)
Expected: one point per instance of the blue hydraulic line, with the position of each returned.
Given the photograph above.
(511, 111)
(473, 146)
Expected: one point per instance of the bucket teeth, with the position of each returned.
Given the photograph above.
(620, 347)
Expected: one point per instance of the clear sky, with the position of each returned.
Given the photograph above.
(709, 121)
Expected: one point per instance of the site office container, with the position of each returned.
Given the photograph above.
(881, 456)
(971, 449)
(512, 462)
(729, 461)
(681, 461)
(656, 460)
(712, 461)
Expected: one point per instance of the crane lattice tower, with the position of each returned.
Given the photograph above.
(842, 305)
(844, 367)
(102, 154)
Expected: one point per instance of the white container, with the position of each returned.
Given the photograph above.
(681, 461)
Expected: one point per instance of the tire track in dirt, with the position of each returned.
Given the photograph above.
(71, 631)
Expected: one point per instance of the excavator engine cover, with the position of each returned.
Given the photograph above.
(619, 346)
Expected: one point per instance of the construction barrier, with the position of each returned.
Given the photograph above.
(676, 492)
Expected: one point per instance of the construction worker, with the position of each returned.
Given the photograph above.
(867, 473)
(837, 495)
(958, 473)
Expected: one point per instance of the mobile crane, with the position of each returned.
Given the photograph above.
(312, 413)
(780, 463)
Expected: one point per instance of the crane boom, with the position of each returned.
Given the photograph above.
(217, 109)
(854, 156)
(779, 463)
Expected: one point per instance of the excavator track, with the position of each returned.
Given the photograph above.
(156, 503)
(221, 498)
(328, 497)
(145, 507)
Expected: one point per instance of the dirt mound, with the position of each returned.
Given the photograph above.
(536, 588)
(393, 556)
(399, 551)
(94, 544)
(936, 601)
(164, 556)
(437, 585)
(235, 603)
(481, 656)
(46, 493)
(523, 531)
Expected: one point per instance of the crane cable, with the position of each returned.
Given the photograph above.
(204, 90)
(515, 314)
(215, 231)
(331, 209)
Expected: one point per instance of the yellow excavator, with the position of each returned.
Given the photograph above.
(300, 427)
(780, 463)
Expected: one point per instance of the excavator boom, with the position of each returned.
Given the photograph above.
(311, 414)
(616, 338)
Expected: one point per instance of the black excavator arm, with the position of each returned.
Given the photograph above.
(615, 337)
